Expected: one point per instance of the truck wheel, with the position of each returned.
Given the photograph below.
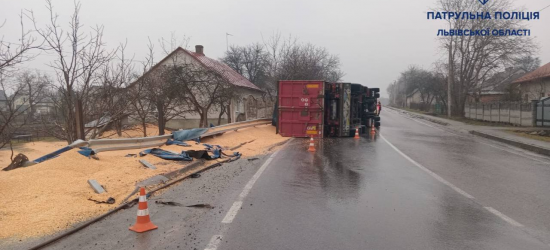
(377, 124)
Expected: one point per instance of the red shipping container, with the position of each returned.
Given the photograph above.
(301, 105)
(303, 94)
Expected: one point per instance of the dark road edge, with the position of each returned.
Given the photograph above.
(529, 147)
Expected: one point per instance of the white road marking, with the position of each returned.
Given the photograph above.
(497, 146)
(232, 212)
(214, 242)
(250, 183)
(434, 175)
(504, 217)
(460, 191)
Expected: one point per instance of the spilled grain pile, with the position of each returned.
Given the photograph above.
(133, 132)
(53, 195)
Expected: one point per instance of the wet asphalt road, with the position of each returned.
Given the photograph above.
(460, 192)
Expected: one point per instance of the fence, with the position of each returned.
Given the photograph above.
(543, 112)
(520, 114)
(433, 108)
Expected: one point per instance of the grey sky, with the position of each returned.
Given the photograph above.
(374, 39)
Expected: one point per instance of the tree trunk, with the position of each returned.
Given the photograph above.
(144, 127)
(204, 118)
(220, 118)
(160, 118)
(118, 127)
(228, 112)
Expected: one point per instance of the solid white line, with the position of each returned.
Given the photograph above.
(504, 217)
(507, 148)
(434, 175)
(214, 242)
(232, 212)
(250, 183)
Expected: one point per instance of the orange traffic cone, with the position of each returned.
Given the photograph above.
(356, 133)
(143, 222)
(311, 145)
(373, 131)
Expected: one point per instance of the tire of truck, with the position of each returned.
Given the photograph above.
(376, 118)
(377, 124)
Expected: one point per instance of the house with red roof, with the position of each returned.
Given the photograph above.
(535, 85)
(248, 104)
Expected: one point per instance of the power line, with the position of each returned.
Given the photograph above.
(544, 8)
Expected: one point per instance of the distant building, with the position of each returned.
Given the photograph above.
(414, 100)
(42, 104)
(498, 87)
(536, 84)
(247, 105)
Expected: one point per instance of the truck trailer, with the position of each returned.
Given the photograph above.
(324, 109)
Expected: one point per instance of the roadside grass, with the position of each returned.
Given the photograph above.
(525, 135)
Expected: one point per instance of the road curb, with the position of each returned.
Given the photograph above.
(529, 147)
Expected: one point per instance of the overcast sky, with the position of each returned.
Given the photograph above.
(375, 40)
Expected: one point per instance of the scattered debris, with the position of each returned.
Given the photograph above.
(166, 155)
(153, 181)
(253, 159)
(17, 162)
(242, 144)
(169, 203)
(147, 164)
(111, 200)
(201, 206)
(195, 175)
(131, 155)
(95, 185)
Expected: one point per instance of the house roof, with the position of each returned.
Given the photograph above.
(498, 83)
(221, 68)
(542, 72)
(227, 72)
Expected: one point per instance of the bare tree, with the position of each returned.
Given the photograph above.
(110, 102)
(475, 58)
(12, 54)
(161, 90)
(282, 59)
(140, 108)
(202, 88)
(80, 55)
(15, 110)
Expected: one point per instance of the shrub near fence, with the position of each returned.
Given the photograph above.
(520, 114)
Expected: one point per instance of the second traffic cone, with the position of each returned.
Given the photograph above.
(311, 145)
(356, 133)
(143, 222)
(373, 131)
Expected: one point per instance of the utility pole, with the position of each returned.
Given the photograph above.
(227, 41)
(450, 79)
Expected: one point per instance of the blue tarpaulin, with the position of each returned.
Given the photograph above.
(210, 147)
(176, 142)
(189, 134)
(167, 155)
(53, 154)
(85, 151)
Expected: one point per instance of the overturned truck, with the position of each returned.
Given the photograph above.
(324, 109)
